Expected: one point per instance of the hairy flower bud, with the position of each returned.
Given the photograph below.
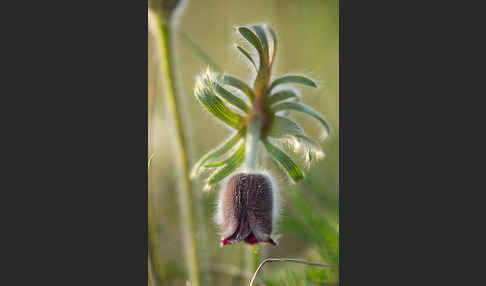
(246, 209)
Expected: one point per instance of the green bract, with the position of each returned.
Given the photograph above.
(253, 110)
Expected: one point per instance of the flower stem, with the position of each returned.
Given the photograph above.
(252, 256)
(252, 141)
(186, 204)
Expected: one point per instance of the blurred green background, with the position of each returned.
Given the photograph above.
(308, 35)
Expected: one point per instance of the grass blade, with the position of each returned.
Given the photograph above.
(321, 230)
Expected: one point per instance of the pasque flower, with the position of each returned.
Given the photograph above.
(257, 114)
(246, 209)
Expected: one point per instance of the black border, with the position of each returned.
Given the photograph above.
(80, 143)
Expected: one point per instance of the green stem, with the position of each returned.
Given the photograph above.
(155, 262)
(150, 274)
(157, 270)
(252, 257)
(186, 203)
(252, 142)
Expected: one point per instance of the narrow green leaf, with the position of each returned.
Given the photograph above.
(248, 56)
(293, 79)
(231, 98)
(251, 37)
(218, 152)
(282, 95)
(223, 162)
(206, 95)
(213, 165)
(302, 108)
(286, 112)
(282, 126)
(263, 40)
(241, 85)
(273, 46)
(231, 164)
(284, 161)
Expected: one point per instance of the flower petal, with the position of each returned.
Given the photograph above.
(260, 206)
(233, 204)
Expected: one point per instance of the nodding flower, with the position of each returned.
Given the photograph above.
(246, 209)
(257, 112)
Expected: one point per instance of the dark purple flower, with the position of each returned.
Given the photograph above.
(246, 210)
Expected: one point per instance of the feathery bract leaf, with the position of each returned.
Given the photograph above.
(230, 165)
(282, 126)
(263, 40)
(284, 161)
(231, 98)
(239, 84)
(305, 109)
(205, 94)
(218, 152)
(273, 45)
(311, 150)
(300, 79)
(282, 95)
(252, 37)
(248, 56)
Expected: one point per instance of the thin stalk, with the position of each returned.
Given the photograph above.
(186, 203)
(155, 262)
(253, 140)
(292, 260)
(150, 275)
(157, 270)
(252, 257)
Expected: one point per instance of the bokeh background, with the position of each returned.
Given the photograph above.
(308, 35)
